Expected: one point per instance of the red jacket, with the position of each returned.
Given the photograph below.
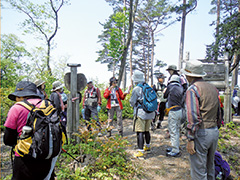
(119, 94)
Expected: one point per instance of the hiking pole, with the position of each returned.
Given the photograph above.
(70, 155)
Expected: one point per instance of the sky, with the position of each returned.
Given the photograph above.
(80, 26)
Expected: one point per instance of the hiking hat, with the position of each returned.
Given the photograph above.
(39, 82)
(161, 76)
(57, 85)
(174, 78)
(172, 67)
(138, 76)
(194, 69)
(24, 89)
(90, 81)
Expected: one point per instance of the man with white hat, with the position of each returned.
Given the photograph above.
(203, 116)
(56, 98)
(142, 119)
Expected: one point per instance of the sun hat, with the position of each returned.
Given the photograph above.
(174, 78)
(57, 85)
(172, 67)
(24, 89)
(39, 82)
(161, 76)
(194, 69)
(138, 76)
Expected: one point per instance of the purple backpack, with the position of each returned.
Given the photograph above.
(221, 166)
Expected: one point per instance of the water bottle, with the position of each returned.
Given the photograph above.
(219, 176)
(83, 113)
(26, 132)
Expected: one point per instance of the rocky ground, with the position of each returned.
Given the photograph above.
(154, 166)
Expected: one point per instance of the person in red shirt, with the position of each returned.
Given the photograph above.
(114, 95)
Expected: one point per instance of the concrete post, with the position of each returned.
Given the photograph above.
(73, 106)
(227, 96)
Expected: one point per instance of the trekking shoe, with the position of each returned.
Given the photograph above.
(159, 125)
(145, 148)
(139, 155)
(169, 149)
(99, 134)
(109, 134)
(172, 154)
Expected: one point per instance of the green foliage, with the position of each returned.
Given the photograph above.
(228, 136)
(107, 158)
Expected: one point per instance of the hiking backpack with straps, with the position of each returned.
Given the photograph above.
(222, 168)
(149, 103)
(43, 135)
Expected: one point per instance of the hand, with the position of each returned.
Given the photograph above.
(125, 93)
(98, 108)
(190, 147)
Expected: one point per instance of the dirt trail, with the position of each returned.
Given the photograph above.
(156, 166)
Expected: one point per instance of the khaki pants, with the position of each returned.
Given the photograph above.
(119, 117)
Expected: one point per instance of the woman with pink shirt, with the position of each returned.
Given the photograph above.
(26, 168)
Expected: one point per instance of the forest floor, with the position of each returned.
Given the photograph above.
(155, 165)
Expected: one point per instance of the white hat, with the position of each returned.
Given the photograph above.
(138, 76)
(57, 85)
(174, 78)
(194, 69)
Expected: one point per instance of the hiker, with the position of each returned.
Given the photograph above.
(64, 112)
(57, 102)
(162, 102)
(203, 116)
(236, 101)
(114, 95)
(41, 88)
(174, 95)
(172, 70)
(92, 102)
(142, 120)
(26, 168)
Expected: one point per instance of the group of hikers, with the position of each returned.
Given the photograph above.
(186, 97)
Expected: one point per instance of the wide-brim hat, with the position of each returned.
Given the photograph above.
(172, 67)
(24, 89)
(138, 76)
(161, 76)
(194, 69)
(39, 82)
(57, 85)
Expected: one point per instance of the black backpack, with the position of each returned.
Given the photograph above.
(43, 135)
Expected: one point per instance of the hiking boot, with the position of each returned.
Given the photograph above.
(139, 155)
(172, 154)
(169, 149)
(145, 148)
(99, 134)
(159, 125)
(120, 133)
(109, 134)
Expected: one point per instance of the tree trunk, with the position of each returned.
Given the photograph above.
(129, 37)
(217, 31)
(152, 56)
(130, 62)
(148, 56)
(181, 47)
(48, 57)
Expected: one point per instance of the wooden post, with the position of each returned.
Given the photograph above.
(227, 97)
(73, 106)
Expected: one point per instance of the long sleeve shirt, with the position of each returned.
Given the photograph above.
(202, 105)
(137, 95)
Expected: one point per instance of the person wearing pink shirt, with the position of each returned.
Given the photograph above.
(26, 168)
